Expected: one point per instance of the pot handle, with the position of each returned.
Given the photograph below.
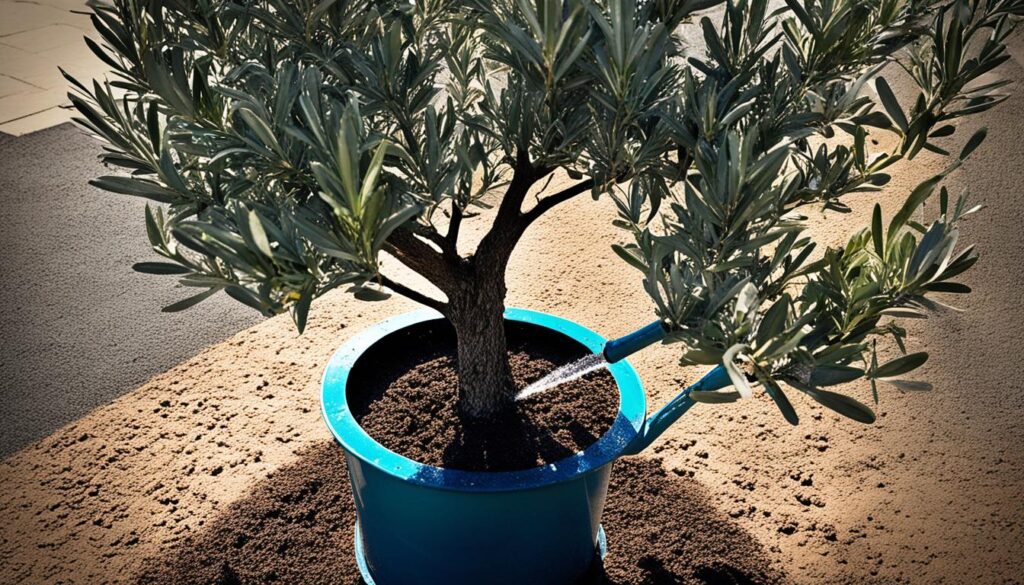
(660, 421)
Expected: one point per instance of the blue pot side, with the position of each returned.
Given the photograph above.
(427, 525)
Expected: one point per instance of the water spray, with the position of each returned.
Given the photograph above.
(614, 350)
(617, 350)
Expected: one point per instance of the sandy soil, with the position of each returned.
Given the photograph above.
(932, 493)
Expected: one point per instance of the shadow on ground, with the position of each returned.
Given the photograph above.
(296, 527)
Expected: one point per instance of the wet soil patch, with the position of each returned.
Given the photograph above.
(296, 527)
(404, 392)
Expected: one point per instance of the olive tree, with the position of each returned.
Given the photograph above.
(289, 144)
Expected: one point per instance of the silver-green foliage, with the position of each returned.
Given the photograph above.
(292, 141)
(729, 265)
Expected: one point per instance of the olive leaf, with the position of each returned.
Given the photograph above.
(160, 268)
(842, 404)
(900, 365)
(190, 301)
(714, 396)
(337, 134)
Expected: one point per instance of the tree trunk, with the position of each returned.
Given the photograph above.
(476, 309)
(475, 288)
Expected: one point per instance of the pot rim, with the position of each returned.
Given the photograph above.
(342, 423)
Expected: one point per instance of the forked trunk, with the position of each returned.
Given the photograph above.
(476, 310)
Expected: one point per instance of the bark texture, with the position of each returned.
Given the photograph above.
(476, 310)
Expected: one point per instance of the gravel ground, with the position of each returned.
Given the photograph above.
(932, 493)
(78, 327)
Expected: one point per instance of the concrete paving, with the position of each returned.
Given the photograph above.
(35, 38)
(78, 327)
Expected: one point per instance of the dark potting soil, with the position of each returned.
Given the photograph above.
(404, 393)
(295, 527)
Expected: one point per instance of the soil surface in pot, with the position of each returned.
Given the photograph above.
(404, 393)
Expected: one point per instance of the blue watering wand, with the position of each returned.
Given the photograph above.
(658, 422)
(619, 349)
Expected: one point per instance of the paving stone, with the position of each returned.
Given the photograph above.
(20, 105)
(25, 16)
(36, 122)
(20, 64)
(67, 5)
(78, 62)
(46, 38)
(37, 37)
(11, 86)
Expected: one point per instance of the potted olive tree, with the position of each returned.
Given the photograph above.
(290, 144)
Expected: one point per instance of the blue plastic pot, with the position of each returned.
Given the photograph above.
(425, 525)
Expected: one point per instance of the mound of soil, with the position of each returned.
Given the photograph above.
(404, 392)
(296, 527)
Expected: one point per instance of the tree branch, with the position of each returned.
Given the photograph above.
(430, 233)
(550, 201)
(523, 177)
(451, 239)
(496, 246)
(414, 295)
(421, 258)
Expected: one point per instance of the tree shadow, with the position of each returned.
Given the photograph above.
(296, 527)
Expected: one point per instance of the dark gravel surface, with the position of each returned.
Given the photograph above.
(78, 327)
